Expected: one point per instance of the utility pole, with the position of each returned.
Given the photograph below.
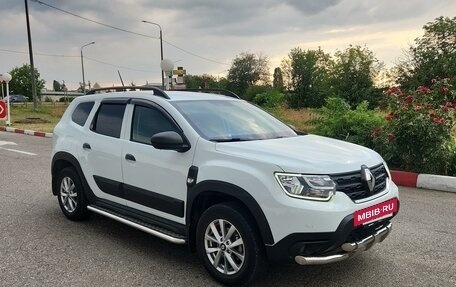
(32, 66)
(161, 48)
(82, 66)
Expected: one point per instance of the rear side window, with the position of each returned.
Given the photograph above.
(108, 120)
(81, 113)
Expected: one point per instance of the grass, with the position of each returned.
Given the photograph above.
(301, 119)
(23, 116)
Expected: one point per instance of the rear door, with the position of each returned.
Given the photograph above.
(154, 180)
(103, 148)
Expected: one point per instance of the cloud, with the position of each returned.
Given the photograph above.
(312, 7)
(216, 30)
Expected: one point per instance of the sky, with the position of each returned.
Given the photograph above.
(202, 36)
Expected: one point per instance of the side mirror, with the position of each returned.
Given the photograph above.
(169, 141)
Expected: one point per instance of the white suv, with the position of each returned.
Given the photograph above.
(221, 175)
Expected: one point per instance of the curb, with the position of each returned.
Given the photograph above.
(26, 132)
(426, 181)
(402, 178)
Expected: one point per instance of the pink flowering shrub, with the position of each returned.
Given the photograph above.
(420, 129)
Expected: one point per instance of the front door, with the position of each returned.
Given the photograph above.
(154, 180)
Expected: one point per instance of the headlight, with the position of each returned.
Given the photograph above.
(312, 187)
(388, 172)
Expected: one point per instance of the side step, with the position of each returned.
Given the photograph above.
(148, 228)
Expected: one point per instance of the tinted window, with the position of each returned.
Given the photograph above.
(81, 113)
(147, 122)
(109, 120)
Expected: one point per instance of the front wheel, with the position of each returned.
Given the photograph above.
(229, 245)
(71, 195)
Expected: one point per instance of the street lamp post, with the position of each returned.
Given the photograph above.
(82, 65)
(161, 47)
(7, 78)
(167, 66)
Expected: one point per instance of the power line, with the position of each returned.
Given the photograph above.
(128, 31)
(122, 67)
(76, 56)
(93, 21)
(39, 54)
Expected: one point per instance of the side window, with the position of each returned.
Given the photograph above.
(108, 120)
(81, 113)
(147, 122)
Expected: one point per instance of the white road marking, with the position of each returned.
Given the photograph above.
(2, 143)
(7, 143)
(18, 151)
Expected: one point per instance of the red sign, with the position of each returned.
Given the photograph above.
(375, 212)
(2, 110)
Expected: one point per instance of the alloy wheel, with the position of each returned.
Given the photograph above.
(68, 194)
(224, 246)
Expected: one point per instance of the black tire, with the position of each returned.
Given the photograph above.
(254, 261)
(79, 201)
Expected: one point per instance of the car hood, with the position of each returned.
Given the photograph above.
(304, 154)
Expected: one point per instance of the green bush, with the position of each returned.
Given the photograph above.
(66, 99)
(254, 90)
(269, 99)
(338, 120)
(418, 134)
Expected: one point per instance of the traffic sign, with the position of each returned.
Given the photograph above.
(179, 72)
(3, 110)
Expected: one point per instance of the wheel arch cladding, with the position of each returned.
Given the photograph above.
(210, 192)
(63, 160)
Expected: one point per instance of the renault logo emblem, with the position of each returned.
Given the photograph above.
(368, 178)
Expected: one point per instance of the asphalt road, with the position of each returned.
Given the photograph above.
(39, 247)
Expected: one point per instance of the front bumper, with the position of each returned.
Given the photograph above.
(350, 249)
(327, 247)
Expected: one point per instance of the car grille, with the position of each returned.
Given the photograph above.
(350, 183)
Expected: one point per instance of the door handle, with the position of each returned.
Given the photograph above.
(130, 157)
(86, 146)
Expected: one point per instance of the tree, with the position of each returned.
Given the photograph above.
(204, 81)
(432, 56)
(57, 87)
(277, 82)
(21, 82)
(353, 74)
(80, 89)
(307, 77)
(246, 70)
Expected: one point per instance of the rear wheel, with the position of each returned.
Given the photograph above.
(71, 195)
(229, 245)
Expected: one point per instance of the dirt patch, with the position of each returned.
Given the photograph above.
(32, 121)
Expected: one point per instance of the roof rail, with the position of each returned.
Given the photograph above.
(157, 91)
(219, 91)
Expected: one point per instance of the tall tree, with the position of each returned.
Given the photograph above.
(21, 82)
(353, 74)
(56, 85)
(277, 82)
(307, 77)
(246, 70)
(432, 56)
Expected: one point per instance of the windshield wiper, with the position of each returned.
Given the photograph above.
(224, 140)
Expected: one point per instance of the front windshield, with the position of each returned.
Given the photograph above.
(224, 121)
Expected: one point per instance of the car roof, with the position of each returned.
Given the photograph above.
(173, 95)
(185, 95)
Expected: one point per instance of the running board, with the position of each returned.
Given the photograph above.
(148, 229)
